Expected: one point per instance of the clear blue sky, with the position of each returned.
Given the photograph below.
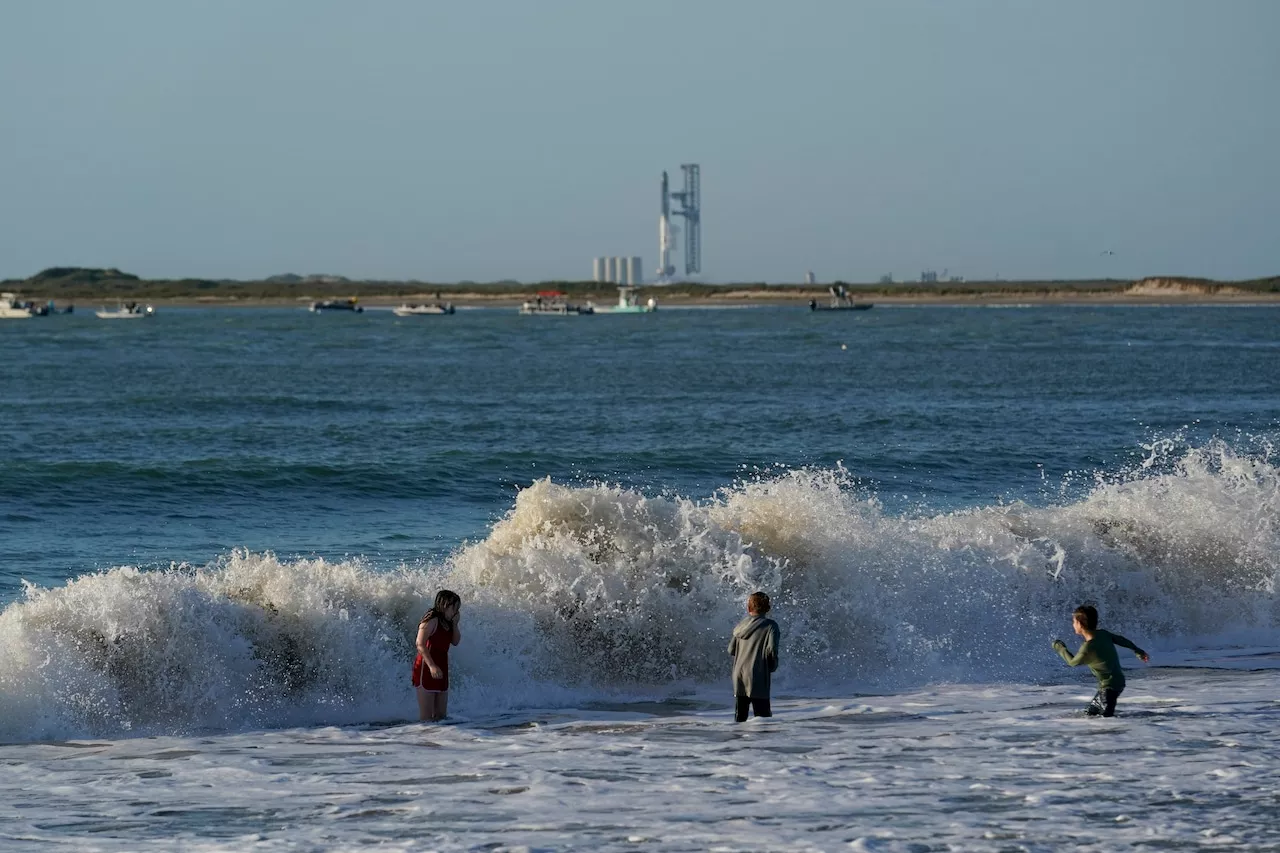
(487, 139)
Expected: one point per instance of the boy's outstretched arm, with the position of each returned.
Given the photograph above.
(1121, 641)
(1085, 655)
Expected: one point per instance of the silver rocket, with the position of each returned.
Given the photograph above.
(665, 242)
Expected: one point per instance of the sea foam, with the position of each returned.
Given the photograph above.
(584, 592)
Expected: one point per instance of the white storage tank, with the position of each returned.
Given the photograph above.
(611, 270)
(635, 271)
(597, 270)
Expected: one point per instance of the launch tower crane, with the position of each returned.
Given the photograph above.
(691, 209)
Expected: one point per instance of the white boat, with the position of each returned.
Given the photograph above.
(131, 311)
(414, 310)
(351, 304)
(554, 304)
(627, 303)
(840, 301)
(12, 308)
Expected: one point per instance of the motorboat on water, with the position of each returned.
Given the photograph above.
(628, 304)
(555, 304)
(349, 304)
(127, 311)
(407, 310)
(840, 301)
(13, 308)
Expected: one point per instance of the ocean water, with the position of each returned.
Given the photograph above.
(218, 528)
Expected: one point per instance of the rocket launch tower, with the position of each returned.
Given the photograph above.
(690, 199)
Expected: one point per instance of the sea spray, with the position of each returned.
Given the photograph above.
(615, 586)
(600, 590)
(249, 641)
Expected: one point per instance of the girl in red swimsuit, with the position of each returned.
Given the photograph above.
(437, 631)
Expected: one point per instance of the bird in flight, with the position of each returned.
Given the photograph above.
(1107, 252)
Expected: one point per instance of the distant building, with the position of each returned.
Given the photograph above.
(810, 278)
(929, 277)
(887, 278)
(617, 270)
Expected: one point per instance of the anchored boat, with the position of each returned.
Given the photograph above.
(554, 303)
(13, 308)
(415, 310)
(627, 303)
(128, 311)
(337, 305)
(840, 301)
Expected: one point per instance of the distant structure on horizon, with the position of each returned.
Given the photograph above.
(621, 271)
(810, 278)
(690, 199)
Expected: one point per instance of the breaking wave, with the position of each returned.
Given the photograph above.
(592, 591)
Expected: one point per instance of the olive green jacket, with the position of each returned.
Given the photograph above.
(754, 647)
(1099, 654)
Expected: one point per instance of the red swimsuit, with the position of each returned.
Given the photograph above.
(438, 646)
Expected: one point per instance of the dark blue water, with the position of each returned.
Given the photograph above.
(181, 437)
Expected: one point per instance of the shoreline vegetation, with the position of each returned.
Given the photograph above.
(90, 285)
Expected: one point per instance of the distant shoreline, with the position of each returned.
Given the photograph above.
(91, 286)
(750, 299)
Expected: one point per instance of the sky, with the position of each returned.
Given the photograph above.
(517, 139)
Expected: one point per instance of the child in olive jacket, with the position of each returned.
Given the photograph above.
(754, 647)
(1099, 654)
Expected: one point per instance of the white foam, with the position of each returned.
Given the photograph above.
(605, 593)
(961, 767)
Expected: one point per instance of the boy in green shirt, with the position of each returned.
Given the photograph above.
(1099, 654)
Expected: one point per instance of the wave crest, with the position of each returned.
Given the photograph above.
(591, 589)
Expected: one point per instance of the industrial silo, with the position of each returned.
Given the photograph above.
(597, 270)
(635, 271)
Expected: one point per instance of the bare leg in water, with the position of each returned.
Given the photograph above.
(432, 706)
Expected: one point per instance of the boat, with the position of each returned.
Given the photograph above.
(127, 311)
(840, 301)
(627, 303)
(13, 308)
(407, 310)
(349, 304)
(555, 304)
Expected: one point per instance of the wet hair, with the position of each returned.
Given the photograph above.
(758, 602)
(445, 598)
(1088, 614)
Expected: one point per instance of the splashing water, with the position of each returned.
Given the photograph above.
(582, 592)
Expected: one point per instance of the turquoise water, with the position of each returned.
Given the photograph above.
(180, 438)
